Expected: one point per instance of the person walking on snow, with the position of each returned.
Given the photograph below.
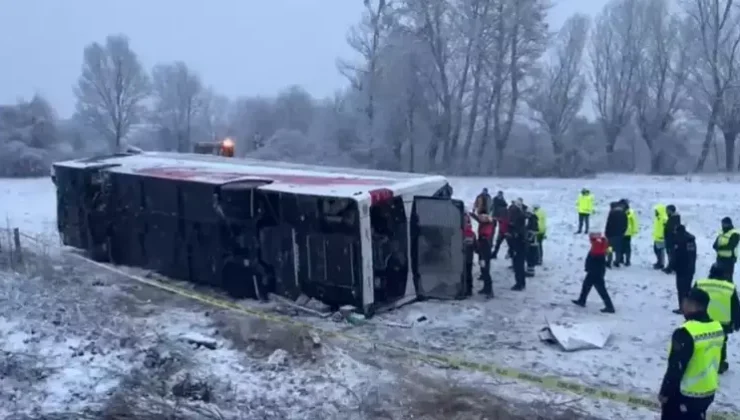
(692, 378)
(632, 228)
(596, 273)
(518, 244)
(684, 263)
(669, 235)
(585, 208)
(542, 230)
(615, 230)
(724, 306)
(726, 247)
(660, 216)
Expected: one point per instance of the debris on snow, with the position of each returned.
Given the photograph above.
(199, 340)
(573, 336)
(278, 358)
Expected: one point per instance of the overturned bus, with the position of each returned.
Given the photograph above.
(370, 239)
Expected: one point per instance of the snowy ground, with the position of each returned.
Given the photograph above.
(338, 378)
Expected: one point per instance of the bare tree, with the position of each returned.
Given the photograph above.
(615, 52)
(177, 101)
(213, 119)
(111, 88)
(558, 94)
(367, 38)
(717, 24)
(661, 76)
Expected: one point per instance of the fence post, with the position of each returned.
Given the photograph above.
(17, 243)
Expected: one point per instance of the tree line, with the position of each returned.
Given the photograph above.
(469, 87)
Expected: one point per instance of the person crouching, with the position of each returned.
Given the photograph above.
(596, 272)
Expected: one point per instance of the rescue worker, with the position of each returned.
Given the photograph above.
(541, 231)
(726, 247)
(633, 227)
(660, 216)
(692, 377)
(596, 273)
(585, 208)
(469, 251)
(486, 227)
(533, 248)
(669, 234)
(518, 243)
(483, 202)
(724, 306)
(684, 263)
(615, 230)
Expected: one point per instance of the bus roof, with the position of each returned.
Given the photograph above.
(277, 176)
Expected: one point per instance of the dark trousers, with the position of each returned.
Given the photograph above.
(540, 240)
(533, 253)
(727, 265)
(669, 256)
(627, 249)
(599, 284)
(484, 257)
(685, 408)
(683, 285)
(468, 286)
(723, 358)
(519, 261)
(583, 222)
(497, 247)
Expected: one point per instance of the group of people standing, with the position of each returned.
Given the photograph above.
(710, 306)
(523, 228)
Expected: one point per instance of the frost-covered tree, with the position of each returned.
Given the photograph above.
(662, 71)
(112, 88)
(177, 102)
(558, 93)
(615, 53)
(716, 28)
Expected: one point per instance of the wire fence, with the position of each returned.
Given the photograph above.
(17, 246)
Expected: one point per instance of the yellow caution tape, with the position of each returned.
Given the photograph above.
(549, 382)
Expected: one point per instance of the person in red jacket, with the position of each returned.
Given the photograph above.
(486, 228)
(595, 273)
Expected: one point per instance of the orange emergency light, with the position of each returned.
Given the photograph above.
(227, 148)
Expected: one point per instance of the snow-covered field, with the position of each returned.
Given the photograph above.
(91, 339)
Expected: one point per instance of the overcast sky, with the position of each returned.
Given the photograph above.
(240, 47)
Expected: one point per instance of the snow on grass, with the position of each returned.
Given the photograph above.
(502, 331)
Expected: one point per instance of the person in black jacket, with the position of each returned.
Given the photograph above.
(595, 273)
(684, 263)
(499, 205)
(675, 405)
(533, 249)
(518, 243)
(616, 228)
(669, 235)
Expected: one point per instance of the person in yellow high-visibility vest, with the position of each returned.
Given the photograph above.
(542, 229)
(726, 246)
(633, 227)
(659, 218)
(724, 306)
(585, 208)
(692, 378)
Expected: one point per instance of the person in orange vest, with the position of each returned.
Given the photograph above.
(486, 228)
(469, 250)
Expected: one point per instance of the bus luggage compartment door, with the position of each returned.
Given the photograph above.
(437, 259)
